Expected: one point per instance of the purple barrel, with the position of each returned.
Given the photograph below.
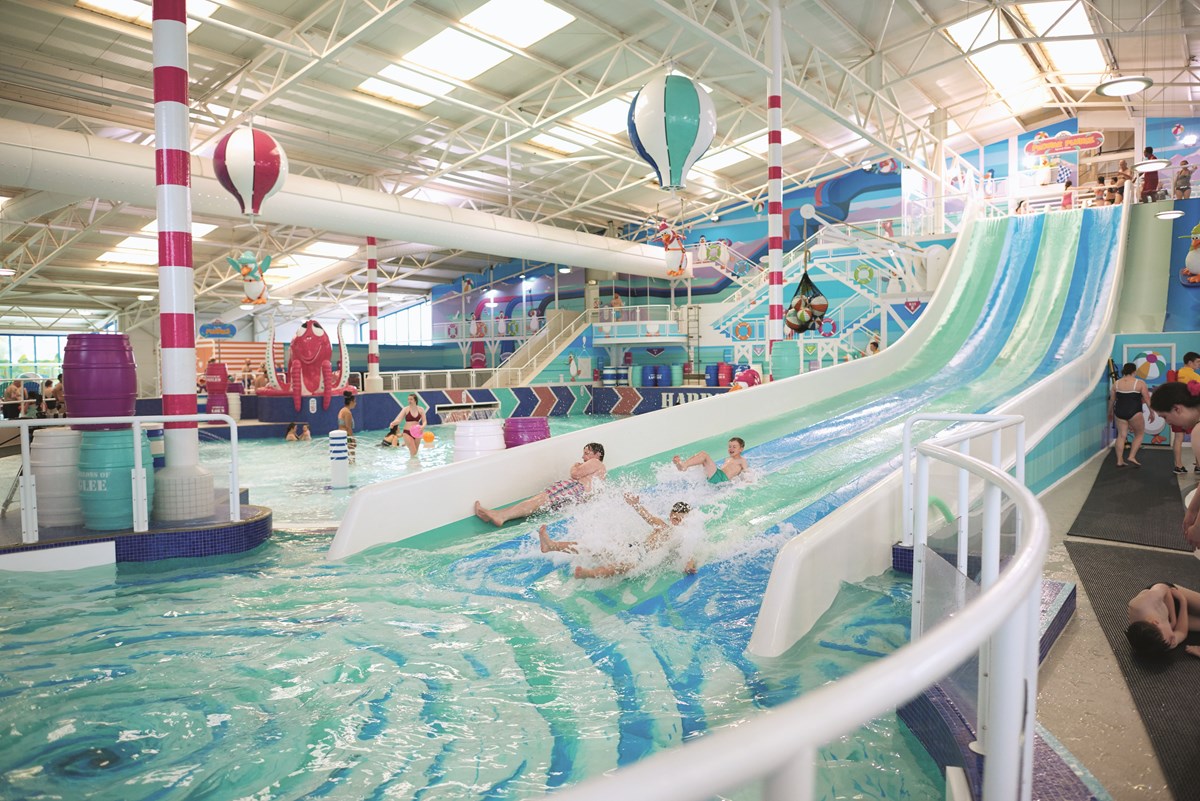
(99, 378)
(523, 430)
(216, 379)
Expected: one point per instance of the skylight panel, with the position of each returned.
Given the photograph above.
(723, 159)
(140, 13)
(611, 117)
(854, 145)
(1007, 68)
(760, 145)
(382, 86)
(331, 250)
(563, 140)
(518, 22)
(456, 54)
(199, 231)
(1080, 63)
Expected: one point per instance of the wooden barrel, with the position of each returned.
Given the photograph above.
(99, 378)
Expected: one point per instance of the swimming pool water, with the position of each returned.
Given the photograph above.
(477, 670)
(292, 478)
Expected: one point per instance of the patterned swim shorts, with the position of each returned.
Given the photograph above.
(563, 492)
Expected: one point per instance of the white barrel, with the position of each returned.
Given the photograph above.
(477, 437)
(54, 462)
(233, 402)
(339, 460)
(609, 374)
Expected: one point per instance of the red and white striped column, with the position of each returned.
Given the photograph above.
(775, 183)
(373, 381)
(184, 490)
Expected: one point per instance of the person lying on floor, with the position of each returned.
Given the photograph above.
(1160, 618)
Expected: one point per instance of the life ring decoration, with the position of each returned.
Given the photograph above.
(743, 330)
(452, 331)
(863, 274)
(513, 328)
(828, 327)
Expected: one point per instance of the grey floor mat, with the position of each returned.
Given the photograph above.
(1164, 694)
(1142, 505)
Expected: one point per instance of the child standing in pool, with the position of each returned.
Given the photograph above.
(734, 466)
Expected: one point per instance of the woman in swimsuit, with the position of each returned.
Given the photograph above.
(1125, 400)
(411, 415)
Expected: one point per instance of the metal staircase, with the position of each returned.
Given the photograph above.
(560, 330)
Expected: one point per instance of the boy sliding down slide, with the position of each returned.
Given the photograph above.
(732, 468)
(661, 535)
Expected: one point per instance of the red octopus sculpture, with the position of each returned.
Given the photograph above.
(310, 371)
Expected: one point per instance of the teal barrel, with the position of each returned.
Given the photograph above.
(676, 375)
(785, 361)
(105, 485)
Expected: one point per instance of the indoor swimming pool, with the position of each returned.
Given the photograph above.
(467, 670)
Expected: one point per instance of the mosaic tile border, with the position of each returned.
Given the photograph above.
(207, 539)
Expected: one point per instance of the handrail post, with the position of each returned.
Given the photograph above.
(141, 515)
(29, 522)
(920, 538)
(795, 780)
(964, 510)
(235, 493)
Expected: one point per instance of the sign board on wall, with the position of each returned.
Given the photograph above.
(218, 330)
(1064, 142)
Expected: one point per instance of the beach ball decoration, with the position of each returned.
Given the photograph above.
(671, 123)
(1150, 365)
(1177, 130)
(251, 166)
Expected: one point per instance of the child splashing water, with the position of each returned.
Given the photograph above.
(664, 538)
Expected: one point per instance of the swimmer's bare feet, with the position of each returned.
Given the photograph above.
(690, 567)
(678, 463)
(486, 515)
(544, 539)
(1194, 650)
(582, 572)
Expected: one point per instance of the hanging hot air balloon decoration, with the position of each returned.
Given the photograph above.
(671, 123)
(251, 166)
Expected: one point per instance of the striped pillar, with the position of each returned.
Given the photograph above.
(184, 489)
(775, 184)
(373, 382)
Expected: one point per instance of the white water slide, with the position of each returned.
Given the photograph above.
(1021, 323)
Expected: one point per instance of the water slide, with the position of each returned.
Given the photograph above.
(1021, 322)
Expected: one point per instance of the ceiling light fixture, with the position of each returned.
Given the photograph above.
(1169, 214)
(285, 301)
(1151, 165)
(247, 307)
(7, 271)
(145, 297)
(564, 270)
(1124, 86)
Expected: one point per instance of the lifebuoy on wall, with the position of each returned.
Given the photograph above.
(452, 330)
(828, 327)
(742, 330)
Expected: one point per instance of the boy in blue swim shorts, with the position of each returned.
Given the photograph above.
(718, 474)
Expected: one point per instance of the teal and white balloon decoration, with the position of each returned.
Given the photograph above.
(671, 123)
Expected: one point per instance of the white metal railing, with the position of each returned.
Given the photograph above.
(1004, 724)
(635, 321)
(436, 379)
(487, 329)
(141, 522)
(780, 748)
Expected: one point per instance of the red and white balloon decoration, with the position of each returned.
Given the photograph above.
(251, 166)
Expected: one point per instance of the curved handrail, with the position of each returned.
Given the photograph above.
(780, 746)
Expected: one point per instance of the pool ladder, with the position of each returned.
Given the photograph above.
(12, 491)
